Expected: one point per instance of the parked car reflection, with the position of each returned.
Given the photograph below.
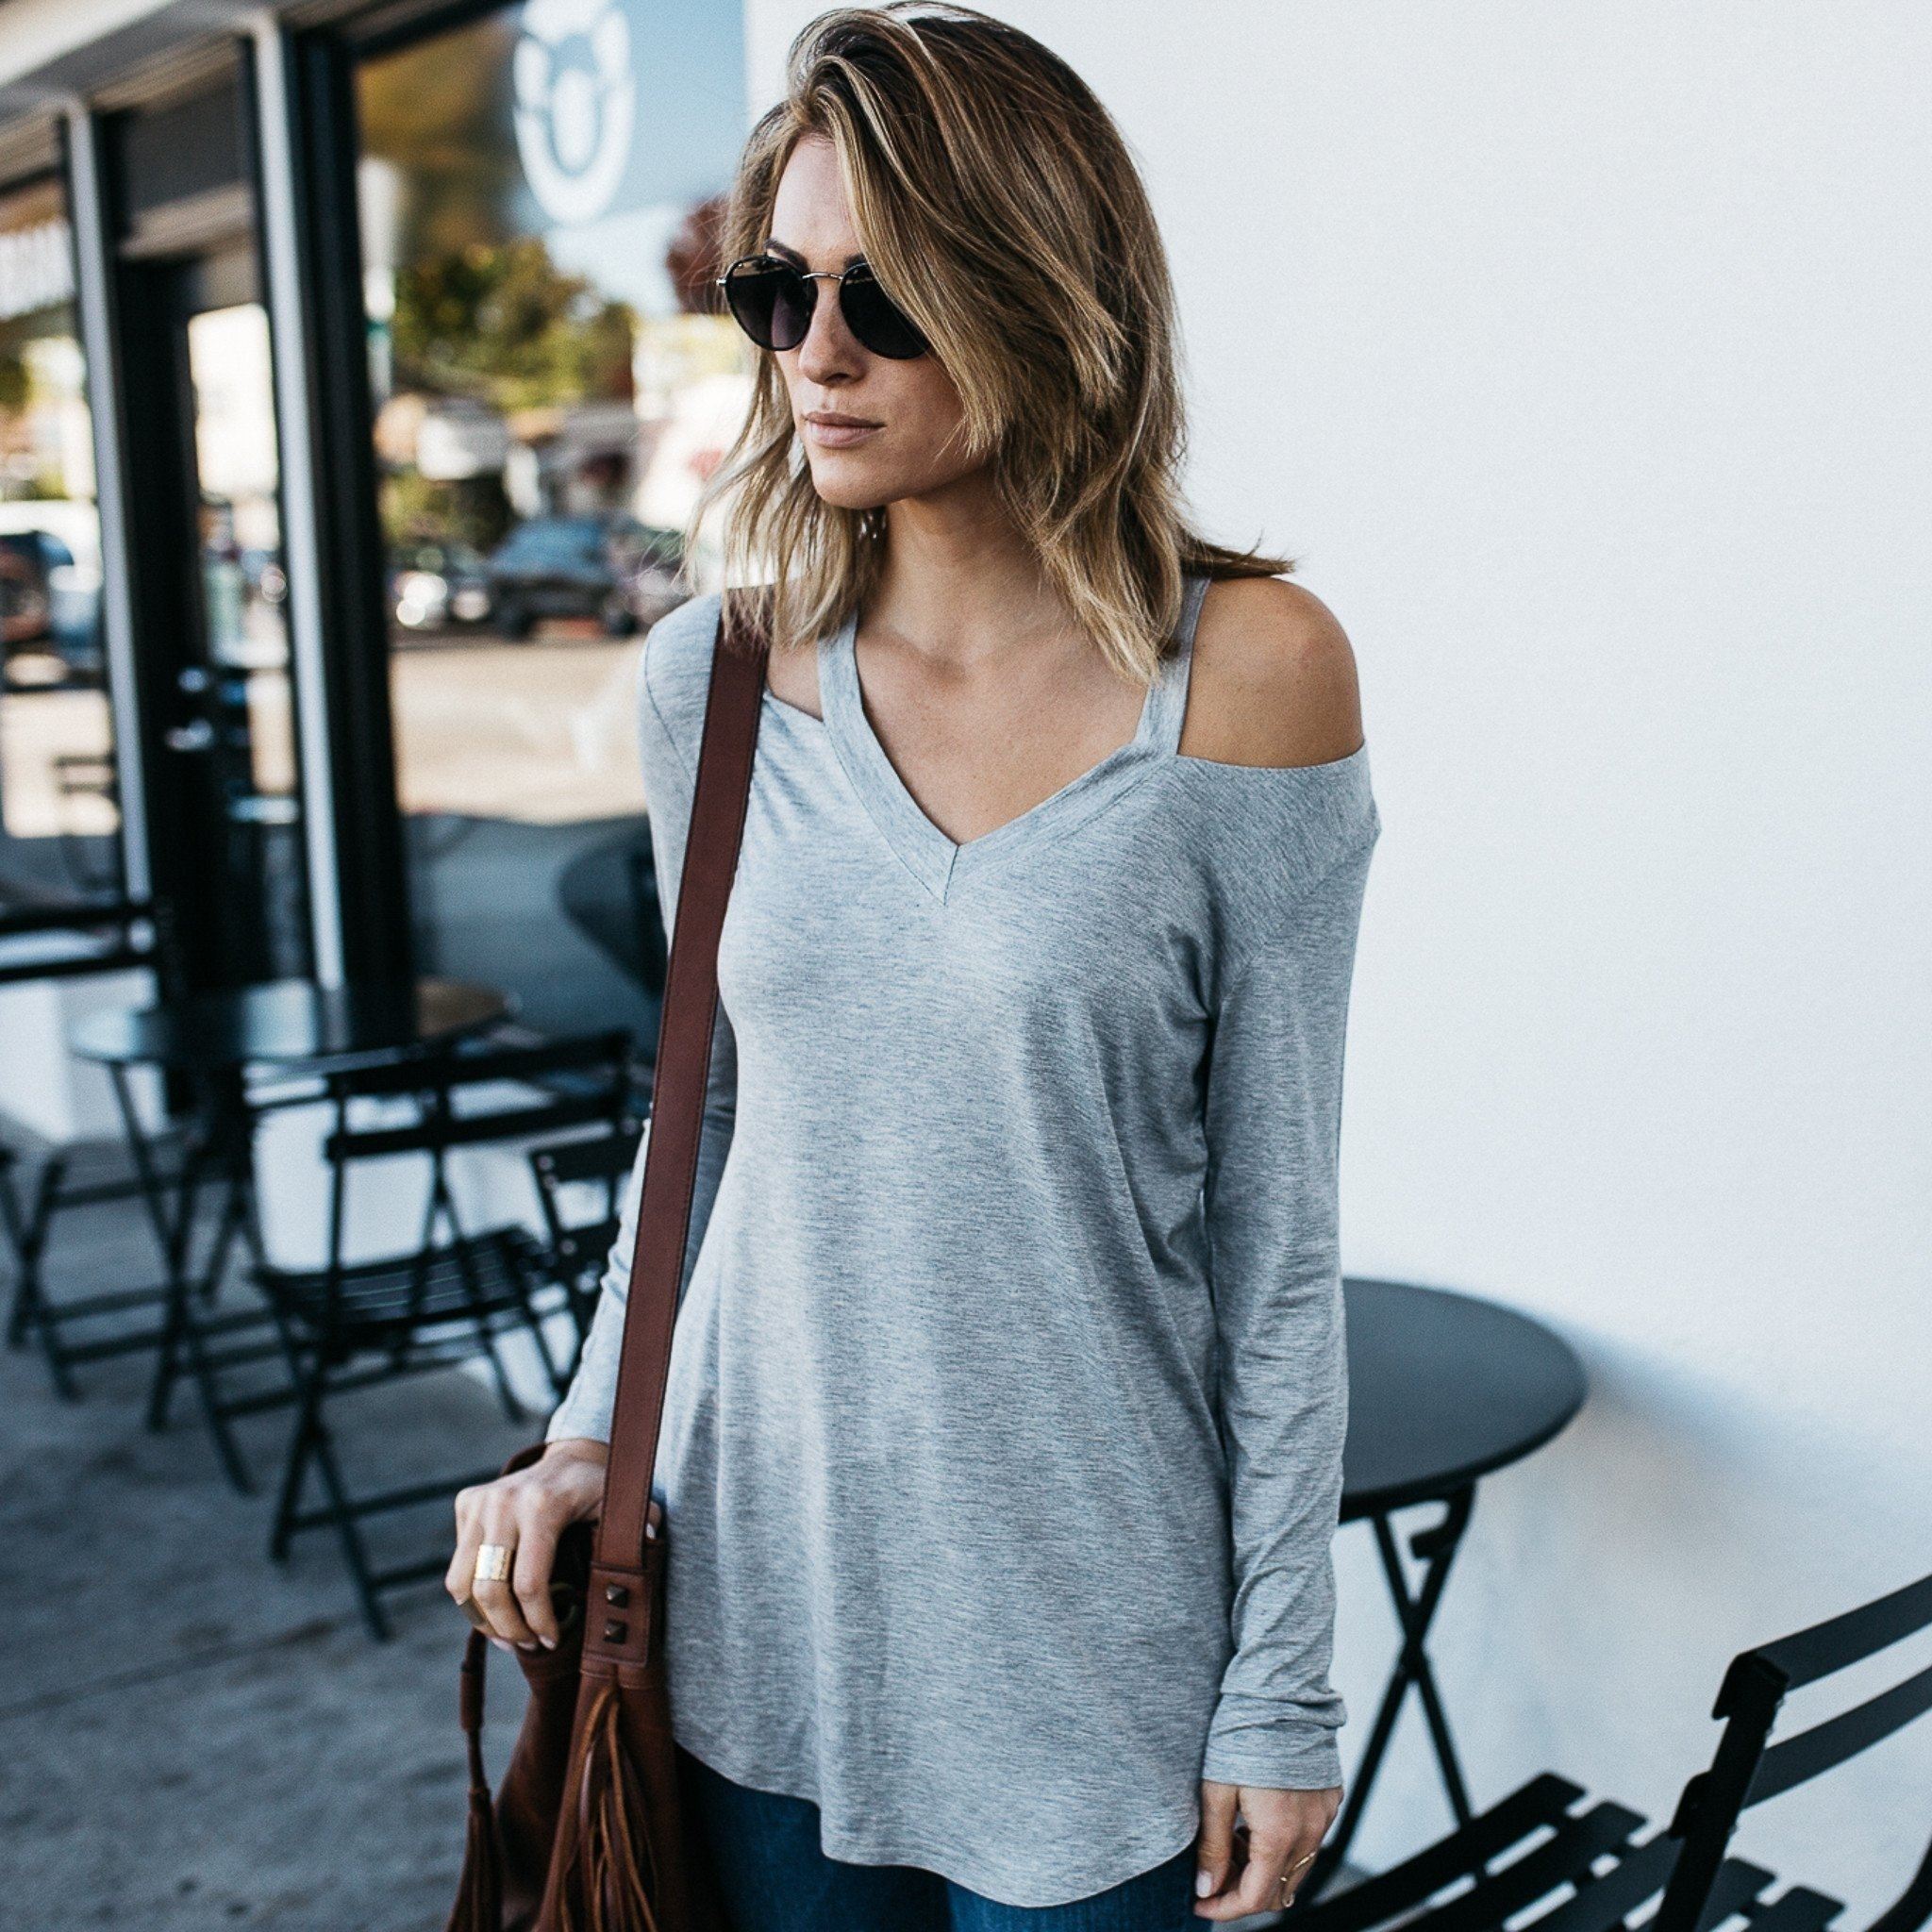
(436, 586)
(609, 567)
(50, 582)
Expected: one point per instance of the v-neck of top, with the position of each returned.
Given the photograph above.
(934, 858)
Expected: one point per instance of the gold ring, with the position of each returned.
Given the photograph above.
(493, 1562)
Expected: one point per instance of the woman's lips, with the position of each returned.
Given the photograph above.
(839, 435)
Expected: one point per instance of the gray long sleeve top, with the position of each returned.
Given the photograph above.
(1002, 1448)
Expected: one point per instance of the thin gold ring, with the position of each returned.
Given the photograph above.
(493, 1562)
(1286, 1896)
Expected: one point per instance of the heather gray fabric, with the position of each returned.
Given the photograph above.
(1002, 1449)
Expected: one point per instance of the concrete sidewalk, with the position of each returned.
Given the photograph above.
(191, 1737)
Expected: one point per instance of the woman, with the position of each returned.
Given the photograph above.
(1002, 1438)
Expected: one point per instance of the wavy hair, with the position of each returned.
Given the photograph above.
(999, 205)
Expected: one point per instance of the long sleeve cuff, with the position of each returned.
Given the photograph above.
(1286, 1747)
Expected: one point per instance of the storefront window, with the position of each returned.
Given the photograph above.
(540, 191)
(58, 816)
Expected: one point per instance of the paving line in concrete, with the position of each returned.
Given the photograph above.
(186, 1666)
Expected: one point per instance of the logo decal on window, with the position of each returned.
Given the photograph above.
(576, 99)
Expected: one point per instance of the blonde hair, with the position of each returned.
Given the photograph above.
(1000, 206)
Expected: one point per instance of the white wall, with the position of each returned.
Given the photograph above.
(1580, 354)
(41, 31)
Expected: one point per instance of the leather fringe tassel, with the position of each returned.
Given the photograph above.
(479, 1891)
(607, 1881)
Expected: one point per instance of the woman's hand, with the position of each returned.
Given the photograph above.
(1284, 1829)
(525, 1513)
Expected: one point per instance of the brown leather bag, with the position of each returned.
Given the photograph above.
(589, 1831)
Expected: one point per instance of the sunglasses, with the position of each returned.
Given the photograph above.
(772, 302)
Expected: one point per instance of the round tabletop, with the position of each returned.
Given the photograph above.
(1442, 1388)
(291, 1020)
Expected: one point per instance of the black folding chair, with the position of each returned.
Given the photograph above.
(579, 1248)
(41, 1179)
(1546, 1860)
(444, 1301)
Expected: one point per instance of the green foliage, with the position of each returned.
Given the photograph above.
(16, 382)
(417, 509)
(500, 322)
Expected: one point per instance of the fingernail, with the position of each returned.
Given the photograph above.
(1203, 1883)
(550, 1643)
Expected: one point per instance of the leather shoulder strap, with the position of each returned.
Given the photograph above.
(732, 709)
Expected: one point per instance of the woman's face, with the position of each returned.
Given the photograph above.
(911, 404)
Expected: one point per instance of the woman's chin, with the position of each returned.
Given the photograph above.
(846, 486)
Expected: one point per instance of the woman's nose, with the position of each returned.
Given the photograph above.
(828, 347)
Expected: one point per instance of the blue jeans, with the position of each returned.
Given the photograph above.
(764, 1848)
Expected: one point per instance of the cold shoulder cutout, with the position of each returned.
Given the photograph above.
(1275, 685)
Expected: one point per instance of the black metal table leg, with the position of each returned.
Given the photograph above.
(215, 1142)
(1435, 1546)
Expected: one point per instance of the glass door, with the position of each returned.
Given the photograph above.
(229, 841)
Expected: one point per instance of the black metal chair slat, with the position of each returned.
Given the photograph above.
(77, 916)
(407, 1291)
(1805, 1754)
(1798, 1910)
(1815, 1652)
(1396, 1892)
(455, 1064)
(1610, 1897)
(544, 1059)
(110, 959)
(548, 1116)
(1565, 1858)
(608, 1156)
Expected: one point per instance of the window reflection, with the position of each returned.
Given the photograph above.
(58, 814)
(539, 190)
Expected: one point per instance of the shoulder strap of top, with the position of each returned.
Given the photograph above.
(1175, 674)
(726, 752)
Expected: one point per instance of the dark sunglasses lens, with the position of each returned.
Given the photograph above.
(877, 320)
(772, 303)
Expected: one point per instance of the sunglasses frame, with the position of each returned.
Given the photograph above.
(808, 276)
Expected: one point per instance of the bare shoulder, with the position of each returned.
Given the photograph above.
(1274, 678)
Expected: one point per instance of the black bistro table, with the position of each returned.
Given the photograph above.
(211, 1040)
(1443, 1387)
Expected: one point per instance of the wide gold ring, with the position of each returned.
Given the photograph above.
(493, 1562)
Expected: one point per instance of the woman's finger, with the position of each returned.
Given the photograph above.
(1258, 1888)
(495, 1596)
(455, 1579)
(1214, 1847)
(536, 1557)
(1272, 1860)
